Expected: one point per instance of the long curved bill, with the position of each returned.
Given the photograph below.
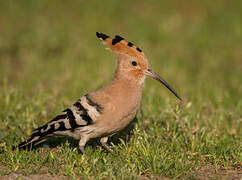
(152, 74)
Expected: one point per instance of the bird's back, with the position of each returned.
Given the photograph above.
(102, 112)
(108, 110)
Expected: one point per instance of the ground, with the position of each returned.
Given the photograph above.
(50, 57)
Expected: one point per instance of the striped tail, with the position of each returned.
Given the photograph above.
(79, 115)
(41, 134)
(38, 136)
(30, 142)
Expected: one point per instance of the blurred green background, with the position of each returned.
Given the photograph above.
(50, 56)
(195, 45)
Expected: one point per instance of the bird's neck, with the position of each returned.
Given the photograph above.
(122, 91)
(126, 92)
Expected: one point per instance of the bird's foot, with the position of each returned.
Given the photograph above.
(104, 141)
(82, 149)
(107, 147)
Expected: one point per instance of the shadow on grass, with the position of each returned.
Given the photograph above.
(125, 135)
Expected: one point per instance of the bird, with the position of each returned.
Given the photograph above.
(108, 110)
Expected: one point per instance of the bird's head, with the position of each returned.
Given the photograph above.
(132, 63)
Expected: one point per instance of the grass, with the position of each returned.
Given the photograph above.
(49, 57)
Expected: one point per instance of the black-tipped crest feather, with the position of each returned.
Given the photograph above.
(102, 36)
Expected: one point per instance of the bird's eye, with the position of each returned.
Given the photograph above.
(134, 63)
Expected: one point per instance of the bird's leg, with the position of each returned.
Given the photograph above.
(103, 141)
(82, 144)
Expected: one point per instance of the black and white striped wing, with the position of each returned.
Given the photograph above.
(81, 114)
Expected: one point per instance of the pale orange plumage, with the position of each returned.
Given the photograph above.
(104, 112)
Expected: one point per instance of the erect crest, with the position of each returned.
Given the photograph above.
(120, 46)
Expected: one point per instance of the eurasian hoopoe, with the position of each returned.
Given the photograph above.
(104, 112)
